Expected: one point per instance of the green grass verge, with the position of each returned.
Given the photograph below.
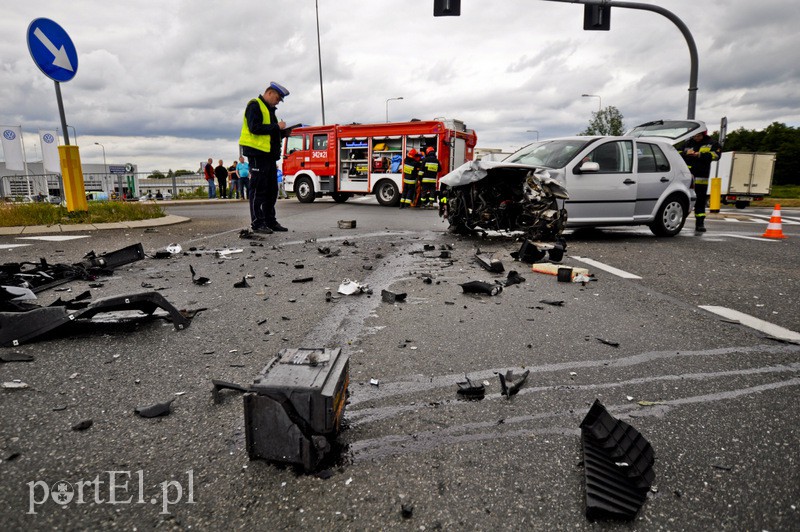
(12, 215)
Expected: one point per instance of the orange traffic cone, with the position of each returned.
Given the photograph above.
(774, 227)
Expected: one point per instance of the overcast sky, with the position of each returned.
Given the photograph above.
(163, 83)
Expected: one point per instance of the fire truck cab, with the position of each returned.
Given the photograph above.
(361, 159)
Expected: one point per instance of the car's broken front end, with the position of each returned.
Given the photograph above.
(505, 197)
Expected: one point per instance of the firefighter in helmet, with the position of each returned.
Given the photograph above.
(430, 169)
(411, 169)
(699, 152)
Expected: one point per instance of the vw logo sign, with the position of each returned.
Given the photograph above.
(9, 135)
(48, 138)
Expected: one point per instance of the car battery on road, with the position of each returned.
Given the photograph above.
(294, 408)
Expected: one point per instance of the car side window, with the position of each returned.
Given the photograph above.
(650, 158)
(613, 157)
(294, 143)
(320, 142)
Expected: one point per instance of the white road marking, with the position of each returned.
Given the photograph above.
(784, 219)
(53, 238)
(754, 323)
(12, 246)
(607, 268)
(749, 237)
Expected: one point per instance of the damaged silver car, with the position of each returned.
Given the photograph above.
(499, 196)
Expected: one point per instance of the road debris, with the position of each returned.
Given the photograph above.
(347, 224)
(220, 385)
(618, 466)
(82, 425)
(552, 302)
(511, 383)
(470, 390)
(481, 287)
(393, 297)
(15, 356)
(348, 288)
(489, 262)
(303, 280)
(156, 410)
(200, 281)
(242, 284)
(512, 279)
(16, 384)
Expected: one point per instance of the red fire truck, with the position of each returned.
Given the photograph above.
(345, 160)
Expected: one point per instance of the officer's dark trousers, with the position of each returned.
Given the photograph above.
(263, 191)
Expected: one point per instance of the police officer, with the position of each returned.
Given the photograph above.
(411, 169)
(430, 169)
(260, 140)
(699, 152)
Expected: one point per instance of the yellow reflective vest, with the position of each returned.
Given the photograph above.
(258, 142)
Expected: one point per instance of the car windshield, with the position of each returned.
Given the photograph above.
(670, 129)
(549, 153)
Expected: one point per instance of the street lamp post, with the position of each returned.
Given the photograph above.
(105, 165)
(387, 106)
(534, 131)
(319, 56)
(599, 100)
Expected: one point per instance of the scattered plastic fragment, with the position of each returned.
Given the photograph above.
(555, 303)
(198, 280)
(481, 287)
(175, 249)
(242, 284)
(16, 384)
(564, 275)
(374, 382)
(348, 288)
(608, 342)
(489, 262)
(156, 410)
(618, 466)
(512, 279)
(15, 356)
(511, 383)
(82, 425)
(16, 293)
(223, 385)
(650, 403)
(552, 269)
(347, 224)
(407, 510)
(303, 280)
(529, 252)
(393, 297)
(470, 390)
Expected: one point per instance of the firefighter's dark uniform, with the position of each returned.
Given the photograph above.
(411, 169)
(430, 169)
(708, 150)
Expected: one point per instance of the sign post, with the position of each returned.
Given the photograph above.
(54, 53)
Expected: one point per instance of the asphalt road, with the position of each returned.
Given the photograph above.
(721, 396)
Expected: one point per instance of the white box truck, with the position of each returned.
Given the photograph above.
(745, 177)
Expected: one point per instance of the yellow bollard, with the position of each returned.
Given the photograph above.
(714, 198)
(74, 191)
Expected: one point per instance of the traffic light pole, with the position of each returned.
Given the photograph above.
(675, 20)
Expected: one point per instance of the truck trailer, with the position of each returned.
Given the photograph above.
(745, 177)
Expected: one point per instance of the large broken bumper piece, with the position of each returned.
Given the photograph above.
(618, 463)
(19, 327)
(294, 408)
(43, 276)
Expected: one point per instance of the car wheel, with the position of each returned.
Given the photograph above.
(304, 189)
(741, 204)
(670, 217)
(341, 197)
(387, 193)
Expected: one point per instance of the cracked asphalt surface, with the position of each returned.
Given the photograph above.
(723, 423)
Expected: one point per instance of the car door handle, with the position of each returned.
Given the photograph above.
(664, 179)
(629, 181)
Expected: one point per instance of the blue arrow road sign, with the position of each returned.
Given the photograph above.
(52, 50)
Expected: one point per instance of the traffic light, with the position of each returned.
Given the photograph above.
(596, 18)
(446, 8)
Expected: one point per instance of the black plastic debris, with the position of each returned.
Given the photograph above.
(556, 253)
(510, 383)
(82, 425)
(608, 342)
(43, 276)
(481, 287)
(407, 510)
(618, 465)
(303, 280)
(15, 356)
(19, 327)
(564, 275)
(470, 390)
(198, 280)
(552, 302)
(393, 297)
(223, 385)
(512, 279)
(489, 262)
(242, 284)
(294, 409)
(529, 252)
(156, 410)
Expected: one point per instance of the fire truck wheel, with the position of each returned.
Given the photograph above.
(304, 189)
(387, 193)
(341, 197)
